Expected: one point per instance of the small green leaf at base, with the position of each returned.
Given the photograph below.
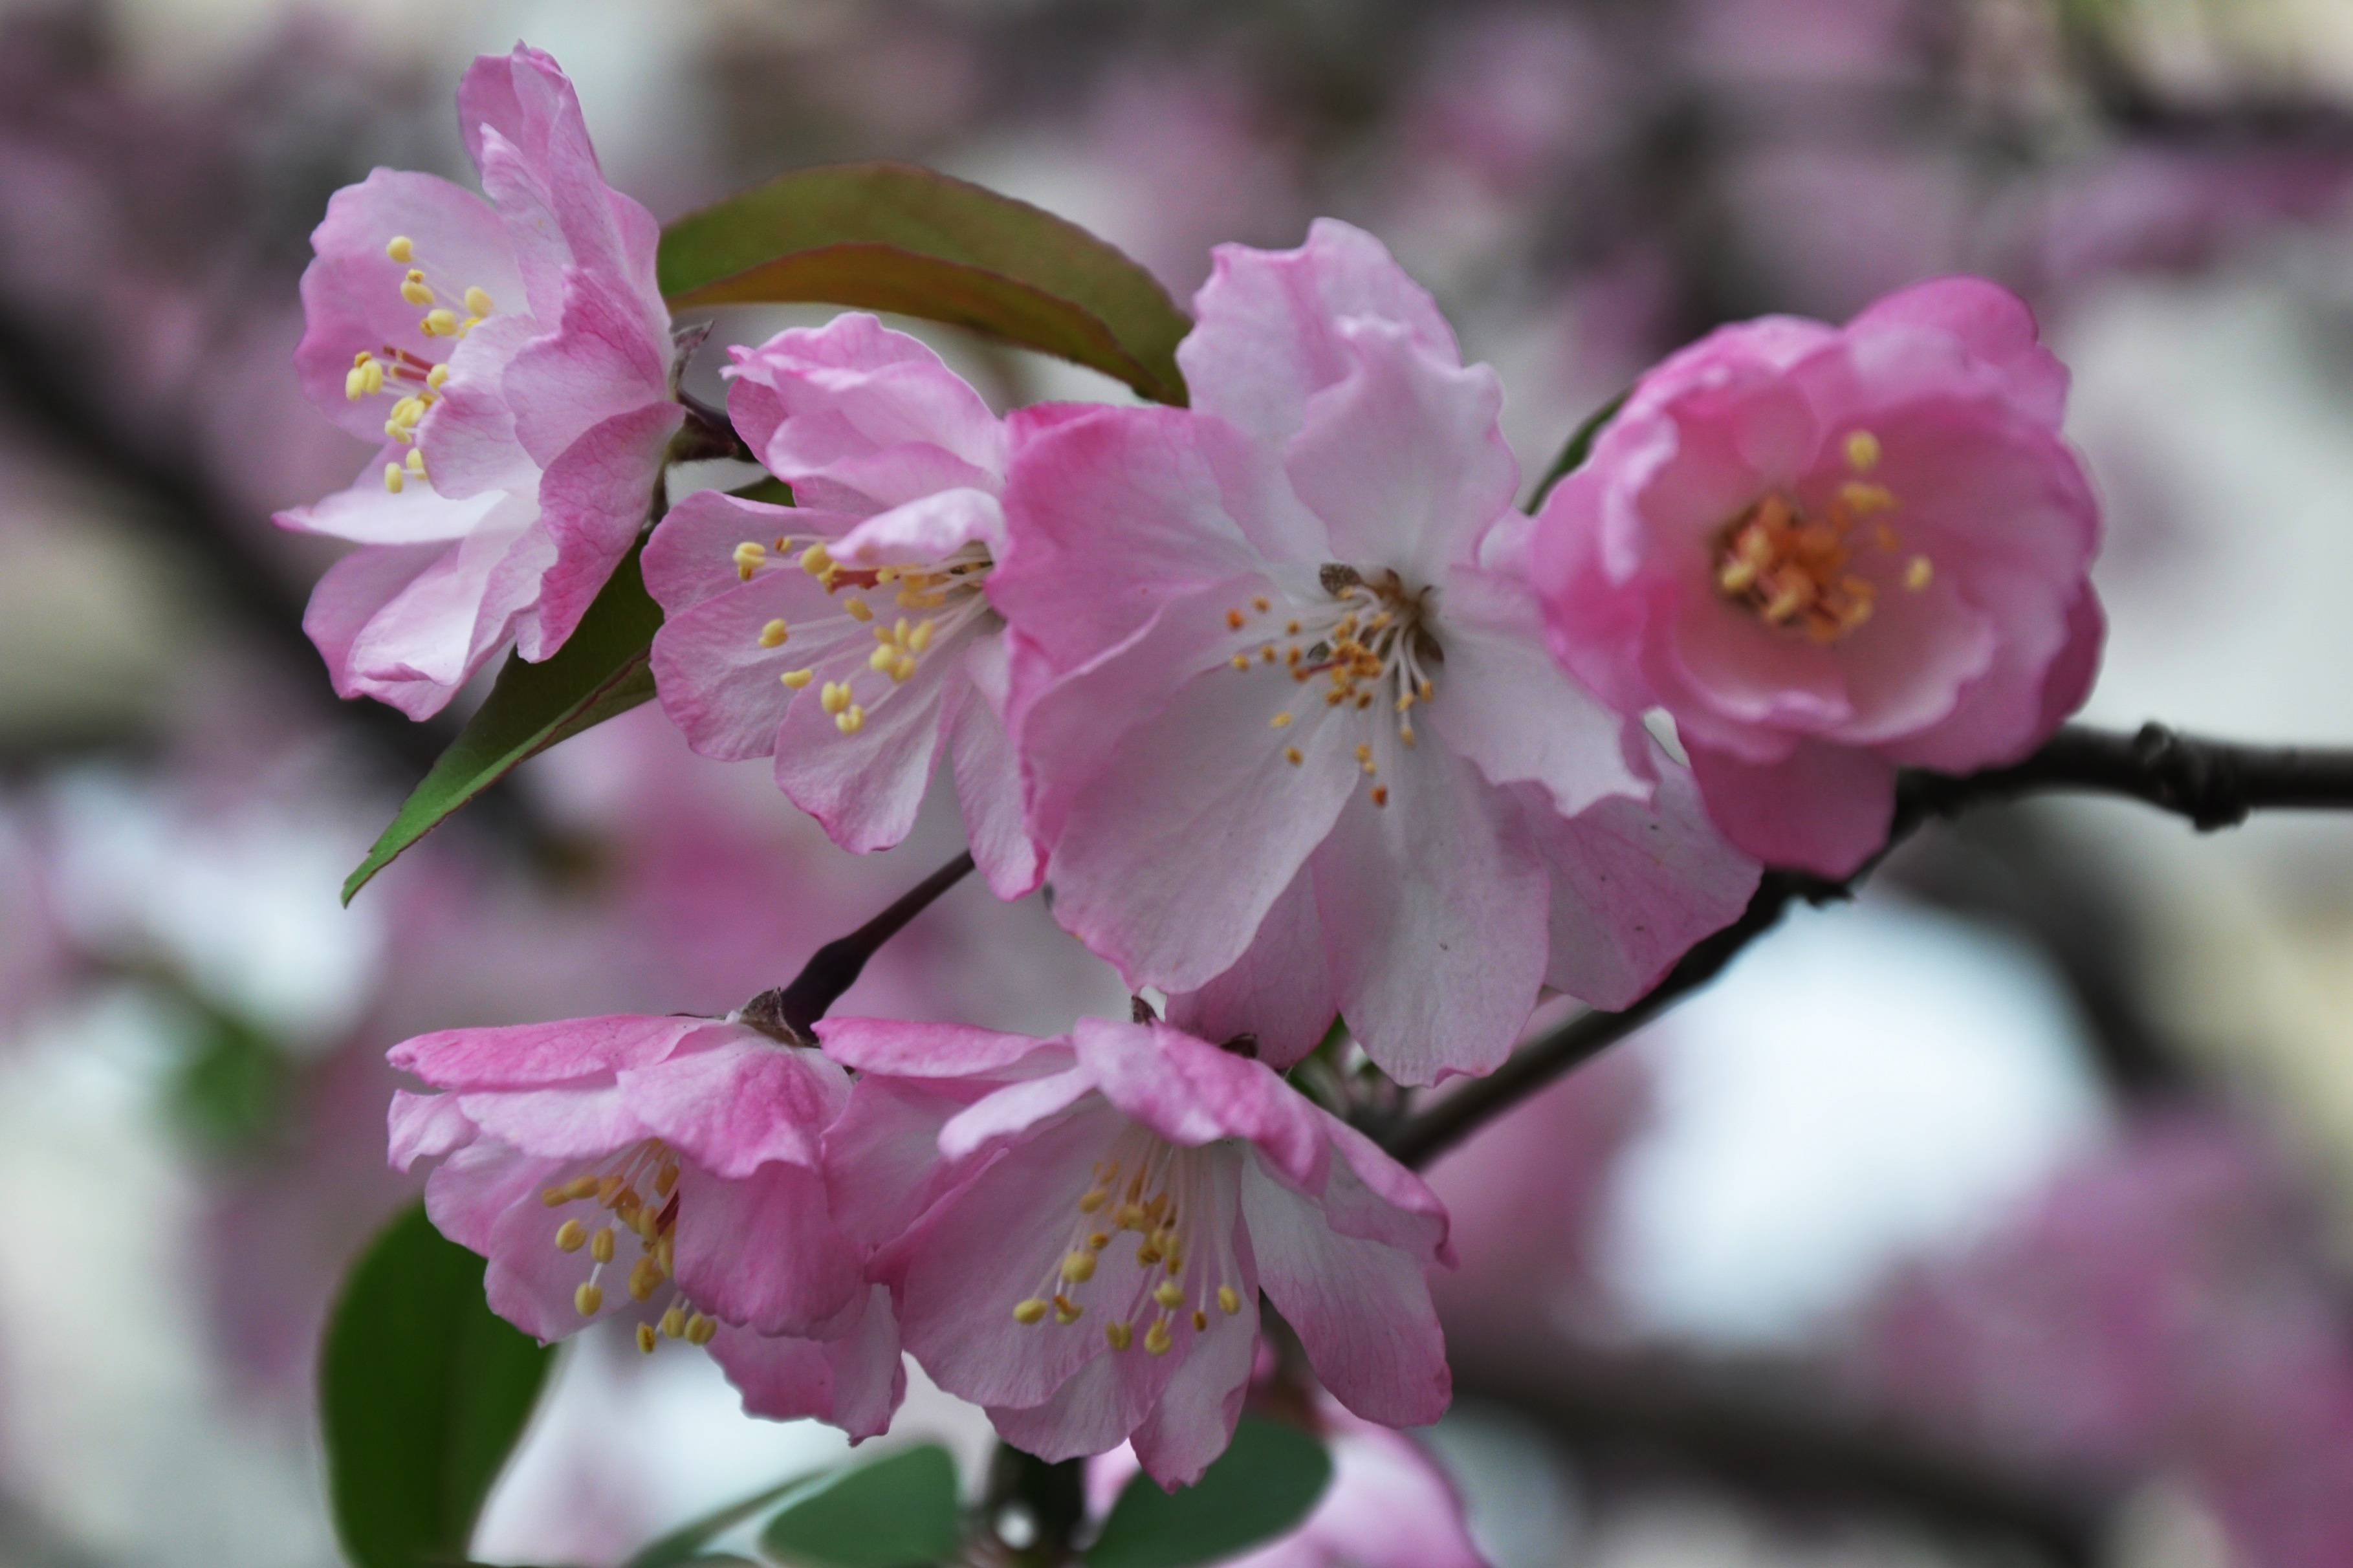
(681, 1544)
(899, 1511)
(1262, 1487)
(891, 236)
(1580, 447)
(423, 1392)
(601, 670)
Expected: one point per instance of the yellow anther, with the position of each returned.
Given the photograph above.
(1405, 734)
(701, 1331)
(1862, 451)
(1918, 572)
(1290, 754)
(773, 634)
(580, 1187)
(478, 303)
(1240, 662)
(902, 669)
(1200, 1319)
(1266, 654)
(885, 575)
(748, 556)
(415, 289)
(1092, 1199)
(850, 724)
(553, 1197)
(1380, 794)
(1099, 1240)
(600, 1246)
(1066, 1312)
(858, 609)
(571, 1236)
(834, 698)
(1128, 1217)
(1118, 1335)
(441, 323)
(1279, 721)
(1230, 1301)
(646, 1338)
(1233, 620)
(1862, 498)
(665, 1178)
(415, 461)
(401, 248)
(1148, 1255)
(645, 1279)
(816, 562)
(355, 383)
(1364, 752)
(798, 679)
(469, 324)
(921, 638)
(587, 1300)
(608, 1190)
(1032, 1310)
(674, 1323)
(392, 478)
(435, 378)
(1078, 1267)
(1156, 1338)
(1169, 1294)
(883, 660)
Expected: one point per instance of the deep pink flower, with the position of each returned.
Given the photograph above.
(667, 1169)
(1287, 719)
(1831, 553)
(850, 636)
(1389, 1505)
(514, 359)
(1018, 1288)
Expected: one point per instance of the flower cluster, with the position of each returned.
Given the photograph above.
(1299, 718)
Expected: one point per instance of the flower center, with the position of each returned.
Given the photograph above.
(637, 1189)
(413, 381)
(1369, 642)
(1790, 568)
(1170, 1198)
(945, 593)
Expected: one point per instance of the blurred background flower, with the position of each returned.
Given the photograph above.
(2001, 1216)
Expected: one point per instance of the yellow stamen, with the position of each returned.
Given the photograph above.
(748, 556)
(774, 634)
(415, 289)
(858, 609)
(1230, 1301)
(1862, 451)
(587, 1300)
(600, 1246)
(1118, 1335)
(798, 679)
(1078, 1267)
(834, 698)
(392, 478)
(571, 1236)
(441, 323)
(1279, 721)
(1169, 1294)
(850, 724)
(435, 379)
(674, 1323)
(1066, 1312)
(1918, 572)
(401, 249)
(478, 303)
(701, 1331)
(646, 1338)
(1032, 1310)
(1156, 1338)
(415, 461)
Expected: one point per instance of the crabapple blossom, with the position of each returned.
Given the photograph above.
(1388, 1506)
(513, 358)
(1033, 1164)
(1831, 552)
(690, 1144)
(852, 636)
(1287, 725)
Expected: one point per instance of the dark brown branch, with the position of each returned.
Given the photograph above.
(2215, 784)
(788, 1012)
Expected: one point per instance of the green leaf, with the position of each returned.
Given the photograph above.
(231, 1091)
(681, 1544)
(890, 236)
(1259, 1488)
(1581, 446)
(601, 670)
(896, 1512)
(422, 1394)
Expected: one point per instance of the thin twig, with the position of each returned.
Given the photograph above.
(2215, 784)
(788, 1012)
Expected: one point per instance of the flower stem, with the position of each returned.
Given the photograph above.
(789, 1012)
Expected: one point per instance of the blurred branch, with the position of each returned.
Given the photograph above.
(2215, 784)
(1775, 1434)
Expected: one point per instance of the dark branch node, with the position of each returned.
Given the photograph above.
(789, 1013)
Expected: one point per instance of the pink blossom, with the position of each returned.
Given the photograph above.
(1832, 552)
(850, 636)
(1285, 709)
(1011, 1292)
(691, 1144)
(1389, 1506)
(513, 358)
